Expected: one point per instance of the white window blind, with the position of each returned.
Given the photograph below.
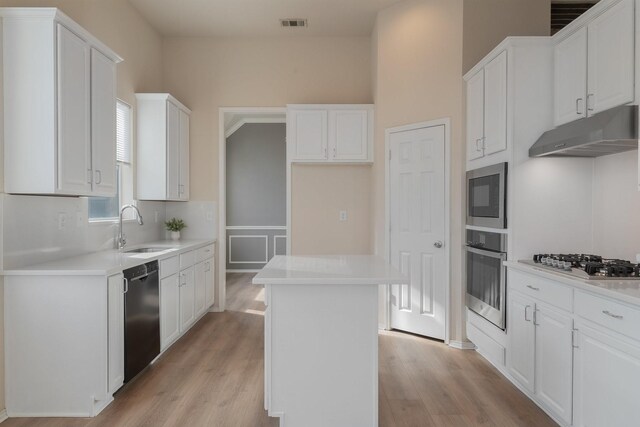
(123, 132)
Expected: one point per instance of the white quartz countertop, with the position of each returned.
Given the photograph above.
(329, 270)
(106, 263)
(622, 290)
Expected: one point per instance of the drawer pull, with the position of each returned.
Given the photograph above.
(533, 288)
(610, 314)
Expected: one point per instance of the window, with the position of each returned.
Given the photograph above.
(108, 208)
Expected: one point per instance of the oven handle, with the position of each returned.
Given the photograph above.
(500, 255)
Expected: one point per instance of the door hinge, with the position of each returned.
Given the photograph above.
(574, 338)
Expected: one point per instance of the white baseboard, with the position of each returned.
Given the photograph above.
(462, 345)
(3, 415)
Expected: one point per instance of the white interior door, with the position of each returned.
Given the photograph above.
(417, 207)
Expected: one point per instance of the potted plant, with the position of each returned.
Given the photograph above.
(174, 225)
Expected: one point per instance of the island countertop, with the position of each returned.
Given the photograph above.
(329, 270)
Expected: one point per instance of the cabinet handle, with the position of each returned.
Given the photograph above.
(98, 176)
(574, 338)
(525, 313)
(535, 317)
(610, 314)
(335, 152)
(578, 101)
(589, 106)
(533, 288)
(89, 176)
(126, 285)
(478, 148)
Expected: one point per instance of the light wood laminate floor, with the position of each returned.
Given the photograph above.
(213, 376)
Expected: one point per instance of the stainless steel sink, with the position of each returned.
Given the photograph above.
(145, 250)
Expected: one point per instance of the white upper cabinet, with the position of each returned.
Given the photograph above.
(595, 65)
(570, 58)
(330, 133)
(103, 127)
(59, 115)
(475, 116)
(495, 105)
(163, 147)
(487, 109)
(611, 58)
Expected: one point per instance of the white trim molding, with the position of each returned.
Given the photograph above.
(256, 227)
(446, 122)
(3, 415)
(246, 120)
(279, 236)
(266, 248)
(248, 270)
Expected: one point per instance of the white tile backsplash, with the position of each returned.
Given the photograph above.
(200, 217)
(40, 229)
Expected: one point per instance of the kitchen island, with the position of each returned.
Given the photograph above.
(321, 338)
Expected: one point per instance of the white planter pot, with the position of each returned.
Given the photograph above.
(175, 235)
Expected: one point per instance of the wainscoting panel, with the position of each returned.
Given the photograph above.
(251, 247)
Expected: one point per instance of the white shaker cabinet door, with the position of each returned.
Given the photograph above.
(169, 310)
(475, 116)
(187, 299)
(554, 358)
(210, 282)
(606, 379)
(103, 124)
(173, 152)
(200, 288)
(183, 188)
(73, 65)
(520, 357)
(495, 105)
(570, 78)
(611, 58)
(308, 134)
(116, 332)
(348, 135)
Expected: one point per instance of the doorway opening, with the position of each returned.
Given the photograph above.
(252, 190)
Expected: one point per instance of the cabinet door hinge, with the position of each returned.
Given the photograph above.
(574, 338)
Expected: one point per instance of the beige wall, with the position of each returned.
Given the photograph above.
(207, 74)
(488, 22)
(124, 30)
(419, 72)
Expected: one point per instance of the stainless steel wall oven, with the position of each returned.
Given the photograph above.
(486, 275)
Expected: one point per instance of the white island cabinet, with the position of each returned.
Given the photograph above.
(321, 338)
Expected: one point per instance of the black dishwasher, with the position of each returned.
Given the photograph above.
(141, 318)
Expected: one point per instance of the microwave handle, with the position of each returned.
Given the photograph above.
(500, 255)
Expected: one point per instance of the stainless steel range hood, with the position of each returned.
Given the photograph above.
(609, 132)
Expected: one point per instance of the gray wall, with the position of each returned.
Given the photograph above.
(256, 192)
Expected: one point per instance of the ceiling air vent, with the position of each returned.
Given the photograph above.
(564, 12)
(293, 23)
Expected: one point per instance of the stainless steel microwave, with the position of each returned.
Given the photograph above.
(487, 196)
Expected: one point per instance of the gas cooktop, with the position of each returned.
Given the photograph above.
(591, 267)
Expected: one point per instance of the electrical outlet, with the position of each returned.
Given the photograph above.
(343, 215)
(62, 220)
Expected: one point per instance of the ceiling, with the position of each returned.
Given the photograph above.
(250, 18)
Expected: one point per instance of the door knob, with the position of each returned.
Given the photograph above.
(438, 244)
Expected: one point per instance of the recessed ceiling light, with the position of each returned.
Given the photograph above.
(294, 23)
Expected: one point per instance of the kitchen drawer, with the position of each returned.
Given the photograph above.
(542, 289)
(169, 266)
(618, 317)
(204, 253)
(187, 259)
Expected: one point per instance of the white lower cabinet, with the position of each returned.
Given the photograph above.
(169, 310)
(187, 299)
(200, 288)
(540, 352)
(115, 303)
(553, 358)
(606, 373)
